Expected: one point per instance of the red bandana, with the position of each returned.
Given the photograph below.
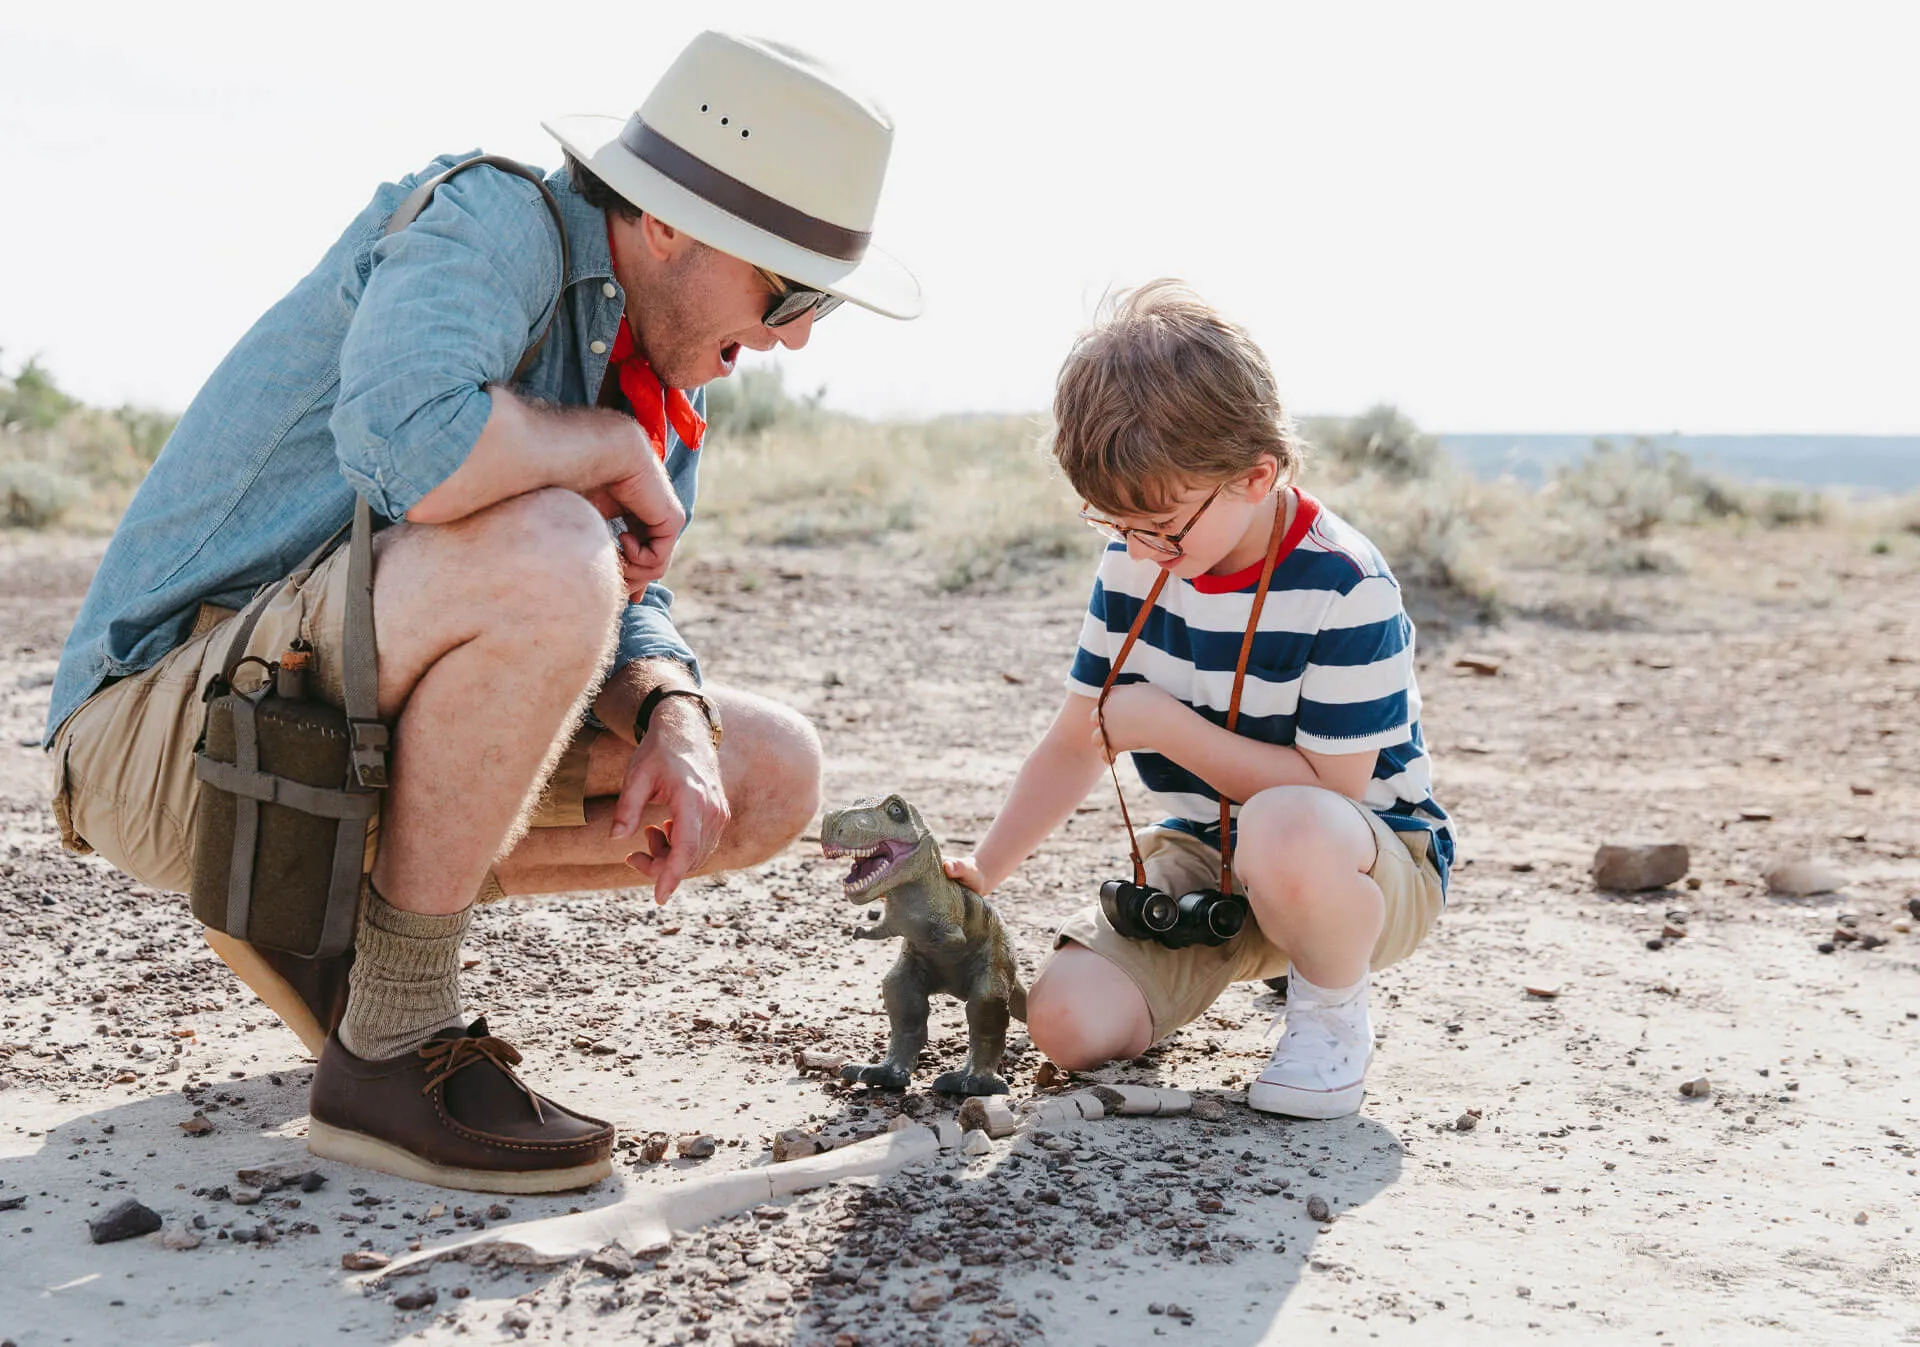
(654, 407)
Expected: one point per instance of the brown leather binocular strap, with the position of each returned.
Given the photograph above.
(1239, 680)
(1233, 701)
(1100, 713)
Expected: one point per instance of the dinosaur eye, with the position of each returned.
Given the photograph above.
(896, 811)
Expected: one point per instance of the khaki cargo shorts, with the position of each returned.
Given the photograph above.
(123, 781)
(1179, 984)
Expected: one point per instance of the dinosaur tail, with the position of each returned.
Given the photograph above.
(1017, 1003)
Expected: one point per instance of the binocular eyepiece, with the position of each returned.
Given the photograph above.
(1142, 912)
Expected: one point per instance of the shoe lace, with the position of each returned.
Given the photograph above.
(1305, 1018)
(448, 1056)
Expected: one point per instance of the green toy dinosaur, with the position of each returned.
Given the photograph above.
(954, 944)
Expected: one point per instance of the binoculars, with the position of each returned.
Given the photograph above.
(1142, 912)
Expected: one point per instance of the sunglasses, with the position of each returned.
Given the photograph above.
(791, 300)
(1166, 545)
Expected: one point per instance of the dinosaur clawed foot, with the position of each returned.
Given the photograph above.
(880, 1075)
(959, 1082)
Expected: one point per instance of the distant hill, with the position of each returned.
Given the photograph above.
(1859, 462)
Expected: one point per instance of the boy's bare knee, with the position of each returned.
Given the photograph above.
(1296, 831)
(1082, 1015)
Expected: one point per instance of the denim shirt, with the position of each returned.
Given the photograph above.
(370, 374)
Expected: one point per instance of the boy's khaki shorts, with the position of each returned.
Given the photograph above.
(123, 781)
(1179, 984)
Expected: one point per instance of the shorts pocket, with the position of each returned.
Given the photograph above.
(63, 800)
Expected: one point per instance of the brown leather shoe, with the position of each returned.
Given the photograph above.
(453, 1113)
(309, 995)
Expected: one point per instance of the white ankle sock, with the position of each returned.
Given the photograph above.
(1323, 996)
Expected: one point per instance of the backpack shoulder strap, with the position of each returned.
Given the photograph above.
(416, 201)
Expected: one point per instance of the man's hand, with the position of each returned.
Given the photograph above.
(645, 501)
(1139, 716)
(677, 766)
(965, 870)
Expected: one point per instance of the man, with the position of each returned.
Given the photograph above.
(549, 728)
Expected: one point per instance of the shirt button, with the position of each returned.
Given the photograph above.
(609, 290)
(598, 347)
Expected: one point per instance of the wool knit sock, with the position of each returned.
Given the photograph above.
(404, 986)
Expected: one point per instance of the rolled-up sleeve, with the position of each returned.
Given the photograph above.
(646, 628)
(452, 303)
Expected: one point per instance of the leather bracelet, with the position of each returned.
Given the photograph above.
(652, 700)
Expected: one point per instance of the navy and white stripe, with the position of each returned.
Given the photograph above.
(1331, 669)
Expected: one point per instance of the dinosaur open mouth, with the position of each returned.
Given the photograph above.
(871, 864)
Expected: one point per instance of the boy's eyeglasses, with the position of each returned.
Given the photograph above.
(791, 300)
(1162, 544)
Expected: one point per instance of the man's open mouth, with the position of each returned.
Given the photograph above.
(729, 354)
(871, 864)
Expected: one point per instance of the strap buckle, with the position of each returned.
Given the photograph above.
(369, 740)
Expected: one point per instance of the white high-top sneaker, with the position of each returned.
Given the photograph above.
(1319, 1069)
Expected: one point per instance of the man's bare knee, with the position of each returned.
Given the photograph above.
(773, 777)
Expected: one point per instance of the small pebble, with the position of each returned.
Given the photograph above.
(363, 1260)
(925, 1298)
(417, 1299)
(1697, 1089)
(695, 1147)
(1317, 1209)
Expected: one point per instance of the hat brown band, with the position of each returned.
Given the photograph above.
(737, 198)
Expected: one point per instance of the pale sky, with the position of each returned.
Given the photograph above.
(1651, 217)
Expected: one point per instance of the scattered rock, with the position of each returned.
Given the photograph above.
(244, 1196)
(416, 1299)
(1049, 1077)
(197, 1125)
(1656, 943)
(654, 1149)
(1860, 1219)
(1913, 906)
(925, 1298)
(363, 1260)
(1635, 869)
(614, 1261)
(1697, 1089)
(499, 1212)
(124, 1221)
(806, 1060)
(1208, 1110)
(977, 1143)
(516, 1317)
(1825, 947)
(1486, 666)
(794, 1144)
(1803, 879)
(272, 1178)
(1467, 1121)
(1546, 991)
(1672, 931)
(180, 1238)
(1869, 940)
(1756, 814)
(1318, 1210)
(694, 1147)
(1858, 789)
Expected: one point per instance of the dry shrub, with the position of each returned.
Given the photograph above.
(973, 495)
(62, 463)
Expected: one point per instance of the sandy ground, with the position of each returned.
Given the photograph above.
(1592, 1202)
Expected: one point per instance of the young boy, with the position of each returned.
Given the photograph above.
(1170, 428)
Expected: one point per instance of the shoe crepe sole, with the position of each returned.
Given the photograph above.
(1294, 1102)
(357, 1148)
(269, 986)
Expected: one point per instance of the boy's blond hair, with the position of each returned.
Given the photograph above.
(1163, 393)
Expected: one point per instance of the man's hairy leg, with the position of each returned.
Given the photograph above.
(492, 631)
(769, 764)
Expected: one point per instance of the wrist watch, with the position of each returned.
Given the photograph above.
(660, 694)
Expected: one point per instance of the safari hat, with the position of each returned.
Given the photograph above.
(758, 150)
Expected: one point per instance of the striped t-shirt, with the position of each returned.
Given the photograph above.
(1331, 669)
